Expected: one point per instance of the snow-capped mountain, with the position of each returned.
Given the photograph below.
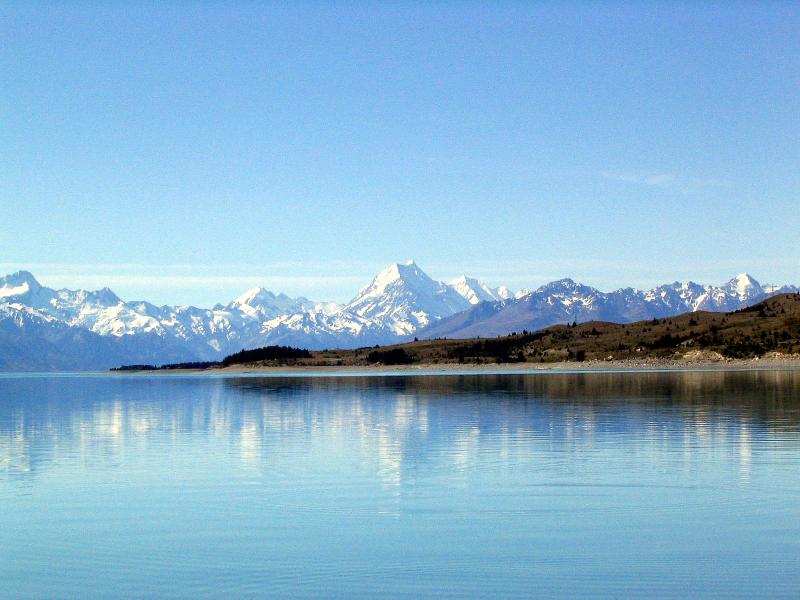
(692, 296)
(475, 292)
(318, 330)
(565, 301)
(404, 298)
(260, 303)
(44, 328)
(31, 340)
(399, 300)
(521, 293)
(190, 333)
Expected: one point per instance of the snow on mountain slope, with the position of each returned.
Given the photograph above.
(32, 341)
(260, 303)
(205, 334)
(744, 286)
(21, 287)
(402, 301)
(474, 291)
(403, 298)
(675, 296)
(398, 301)
(14, 287)
(41, 326)
(319, 330)
(566, 301)
(503, 293)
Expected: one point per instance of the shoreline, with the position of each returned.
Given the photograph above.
(757, 364)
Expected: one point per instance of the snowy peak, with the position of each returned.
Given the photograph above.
(560, 284)
(567, 287)
(408, 274)
(504, 293)
(472, 290)
(396, 303)
(19, 278)
(404, 298)
(18, 284)
(103, 297)
(744, 287)
(565, 300)
(475, 291)
(400, 302)
(254, 296)
(520, 294)
(397, 278)
(259, 302)
(23, 287)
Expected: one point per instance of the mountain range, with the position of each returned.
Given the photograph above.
(47, 329)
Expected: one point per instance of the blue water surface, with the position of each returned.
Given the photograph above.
(473, 485)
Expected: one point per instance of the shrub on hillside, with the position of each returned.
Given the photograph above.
(396, 356)
(265, 353)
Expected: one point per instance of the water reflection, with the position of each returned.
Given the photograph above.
(589, 485)
(403, 423)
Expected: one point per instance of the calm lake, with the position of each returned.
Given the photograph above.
(681, 484)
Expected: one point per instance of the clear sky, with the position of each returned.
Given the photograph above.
(185, 152)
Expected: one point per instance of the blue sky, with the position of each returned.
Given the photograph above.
(185, 152)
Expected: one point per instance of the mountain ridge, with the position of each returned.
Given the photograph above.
(564, 300)
(401, 302)
(769, 329)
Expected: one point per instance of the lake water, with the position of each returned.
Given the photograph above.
(622, 485)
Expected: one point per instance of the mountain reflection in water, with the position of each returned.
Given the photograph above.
(657, 484)
(389, 417)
